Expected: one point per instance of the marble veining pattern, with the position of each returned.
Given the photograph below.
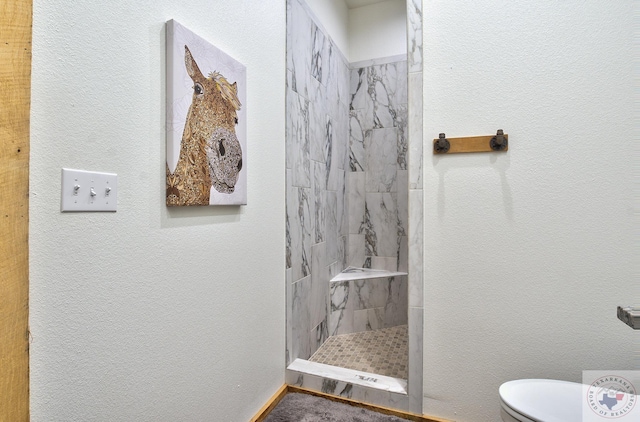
(345, 383)
(332, 225)
(356, 256)
(379, 148)
(319, 274)
(416, 248)
(381, 90)
(339, 298)
(339, 194)
(357, 134)
(356, 183)
(289, 316)
(415, 131)
(383, 262)
(328, 152)
(298, 138)
(342, 207)
(415, 358)
(378, 61)
(381, 160)
(299, 234)
(319, 189)
(415, 232)
(317, 52)
(333, 375)
(288, 243)
(380, 224)
(300, 314)
(299, 31)
(320, 334)
(317, 149)
(414, 18)
(317, 130)
(367, 304)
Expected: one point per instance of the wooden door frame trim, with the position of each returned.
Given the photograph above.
(15, 101)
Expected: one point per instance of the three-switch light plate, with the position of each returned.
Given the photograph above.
(88, 191)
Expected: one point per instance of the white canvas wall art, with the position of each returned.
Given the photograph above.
(206, 123)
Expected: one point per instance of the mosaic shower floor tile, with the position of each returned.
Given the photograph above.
(383, 352)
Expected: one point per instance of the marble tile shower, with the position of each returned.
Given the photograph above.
(317, 133)
(367, 304)
(354, 192)
(382, 351)
(378, 178)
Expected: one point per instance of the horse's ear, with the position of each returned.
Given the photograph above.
(192, 67)
(235, 87)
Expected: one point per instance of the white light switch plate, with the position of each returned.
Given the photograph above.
(88, 191)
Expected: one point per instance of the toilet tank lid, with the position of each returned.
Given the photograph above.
(544, 400)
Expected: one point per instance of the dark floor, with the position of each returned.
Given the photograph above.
(296, 407)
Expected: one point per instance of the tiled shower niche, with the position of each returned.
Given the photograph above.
(350, 175)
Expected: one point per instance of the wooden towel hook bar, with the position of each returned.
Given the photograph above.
(490, 143)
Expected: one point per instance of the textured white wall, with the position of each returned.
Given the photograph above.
(378, 30)
(334, 16)
(528, 253)
(367, 32)
(151, 314)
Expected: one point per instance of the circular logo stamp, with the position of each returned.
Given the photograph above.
(611, 396)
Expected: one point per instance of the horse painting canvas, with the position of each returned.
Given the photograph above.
(206, 125)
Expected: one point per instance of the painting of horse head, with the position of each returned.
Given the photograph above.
(210, 153)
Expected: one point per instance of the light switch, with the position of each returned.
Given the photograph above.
(88, 191)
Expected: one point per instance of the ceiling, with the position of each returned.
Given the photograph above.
(352, 4)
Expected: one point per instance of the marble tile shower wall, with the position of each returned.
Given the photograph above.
(347, 175)
(416, 208)
(378, 182)
(317, 134)
(366, 305)
(301, 217)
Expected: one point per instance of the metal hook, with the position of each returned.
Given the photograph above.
(441, 146)
(499, 142)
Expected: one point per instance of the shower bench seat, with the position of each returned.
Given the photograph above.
(353, 273)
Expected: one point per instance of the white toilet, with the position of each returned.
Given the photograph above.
(541, 400)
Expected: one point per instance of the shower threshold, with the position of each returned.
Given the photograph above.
(366, 379)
